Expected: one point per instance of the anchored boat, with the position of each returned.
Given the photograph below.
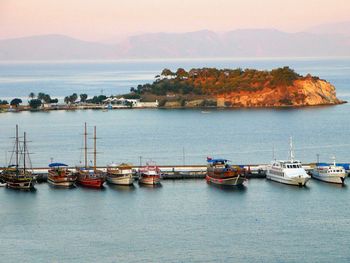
(19, 175)
(60, 176)
(90, 176)
(288, 172)
(221, 173)
(329, 173)
(150, 174)
(120, 174)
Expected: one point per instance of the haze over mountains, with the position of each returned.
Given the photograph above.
(321, 41)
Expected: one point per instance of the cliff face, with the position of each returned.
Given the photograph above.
(303, 92)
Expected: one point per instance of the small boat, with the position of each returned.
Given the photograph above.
(120, 174)
(90, 176)
(19, 176)
(150, 174)
(329, 173)
(60, 176)
(3, 183)
(221, 173)
(288, 172)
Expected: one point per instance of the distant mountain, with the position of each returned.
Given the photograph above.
(342, 28)
(53, 47)
(199, 44)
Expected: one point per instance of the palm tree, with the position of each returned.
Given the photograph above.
(31, 95)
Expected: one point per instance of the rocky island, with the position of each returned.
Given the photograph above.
(235, 88)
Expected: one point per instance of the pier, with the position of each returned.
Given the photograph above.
(173, 172)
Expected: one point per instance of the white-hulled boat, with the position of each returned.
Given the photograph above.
(288, 172)
(120, 174)
(330, 173)
(150, 174)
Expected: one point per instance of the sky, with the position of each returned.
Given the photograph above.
(108, 20)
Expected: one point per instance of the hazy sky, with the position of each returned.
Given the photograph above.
(106, 19)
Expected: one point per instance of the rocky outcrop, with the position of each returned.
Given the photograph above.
(304, 92)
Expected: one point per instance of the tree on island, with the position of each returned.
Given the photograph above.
(71, 99)
(15, 102)
(167, 73)
(4, 102)
(83, 97)
(35, 103)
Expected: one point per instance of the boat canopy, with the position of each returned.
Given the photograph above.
(209, 160)
(57, 164)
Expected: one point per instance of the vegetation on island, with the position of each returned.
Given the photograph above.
(205, 86)
(212, 81)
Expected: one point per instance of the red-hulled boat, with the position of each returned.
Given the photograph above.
(90, 177)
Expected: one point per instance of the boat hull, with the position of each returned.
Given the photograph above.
(232, 181)
(297, 180)
(149, 180)
(329, 178)
(64, 182)
(120, 180)
(91, 182)
(20, 185)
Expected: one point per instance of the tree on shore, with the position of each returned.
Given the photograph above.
(31, 95)
(15, 102)
(4, 102)
(73, 98)
(66, 100)
(83, 97)
(35, 103)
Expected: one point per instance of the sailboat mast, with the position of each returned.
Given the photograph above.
(95, 153)
(24, 151)
(17, 147)
(85, 146)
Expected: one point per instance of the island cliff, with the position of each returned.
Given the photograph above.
(233, 88)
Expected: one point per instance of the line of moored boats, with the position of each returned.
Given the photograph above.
(219, 171)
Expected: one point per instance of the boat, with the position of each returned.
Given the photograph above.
(60, 176)
(289, 172)
(3, 183)
(19, 175)
(329, 173)
(220, 172)
(120, 174)
(150, 174)
(90, 176)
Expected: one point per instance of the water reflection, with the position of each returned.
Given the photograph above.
(122, 188)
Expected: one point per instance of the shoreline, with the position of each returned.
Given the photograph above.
(104, 108)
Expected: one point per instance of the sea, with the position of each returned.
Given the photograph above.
(181, 221)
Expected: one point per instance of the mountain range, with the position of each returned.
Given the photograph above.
(320, 41)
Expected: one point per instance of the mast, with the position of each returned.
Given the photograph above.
(291, 150)
(17, 146)
(85, 147)
(95, 148)
(24, 152)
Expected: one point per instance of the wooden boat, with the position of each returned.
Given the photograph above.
(150, 174)
(60, 176)
(90, 176)
(19, 175)
(120, 174)
(221, 173)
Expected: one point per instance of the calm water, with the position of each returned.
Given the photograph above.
(182, 221)
(185, 220)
